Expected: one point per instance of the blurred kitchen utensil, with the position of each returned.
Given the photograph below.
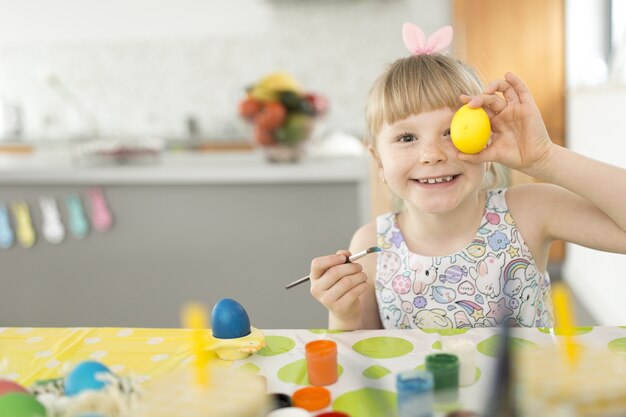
(135, 151)
(10, 121)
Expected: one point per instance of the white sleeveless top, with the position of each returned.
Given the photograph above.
(492, 281)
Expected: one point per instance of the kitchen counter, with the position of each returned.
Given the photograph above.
(249, 167)
(198, 226)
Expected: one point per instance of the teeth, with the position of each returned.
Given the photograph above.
(436, 180)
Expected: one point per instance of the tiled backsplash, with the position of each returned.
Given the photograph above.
(152, 86)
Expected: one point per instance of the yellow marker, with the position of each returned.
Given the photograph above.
(194, 318)
(565, 321)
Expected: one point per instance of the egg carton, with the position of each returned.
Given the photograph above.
(548, 385)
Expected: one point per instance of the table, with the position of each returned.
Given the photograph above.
(368, 360)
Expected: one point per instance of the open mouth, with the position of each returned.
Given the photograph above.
(437, 180)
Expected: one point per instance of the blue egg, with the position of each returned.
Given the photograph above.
(85, 376)
(229, 320)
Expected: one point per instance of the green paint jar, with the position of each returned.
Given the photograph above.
(445, 370)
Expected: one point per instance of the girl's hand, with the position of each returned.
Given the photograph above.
(338, 286)
(519, 137)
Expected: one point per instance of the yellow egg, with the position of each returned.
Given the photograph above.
(470, 129)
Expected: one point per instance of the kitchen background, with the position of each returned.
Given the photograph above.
(176, 70)
(145, 67)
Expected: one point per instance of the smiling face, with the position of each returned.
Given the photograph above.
(420, 165)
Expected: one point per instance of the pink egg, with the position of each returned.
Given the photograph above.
(7, 386)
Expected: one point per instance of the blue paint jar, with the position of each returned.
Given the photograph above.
(415, 393)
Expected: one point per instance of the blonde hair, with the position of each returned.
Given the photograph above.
(422, 83)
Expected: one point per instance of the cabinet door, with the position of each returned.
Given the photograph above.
(524, 37)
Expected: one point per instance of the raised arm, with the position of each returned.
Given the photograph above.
(592, 212)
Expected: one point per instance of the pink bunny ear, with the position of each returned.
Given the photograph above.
(413, 37)
(416, 42)
(440, 40)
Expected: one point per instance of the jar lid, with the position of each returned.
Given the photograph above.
(320, 347)
(289, 412)
(416, 381)
(441, 361)
(311, 398)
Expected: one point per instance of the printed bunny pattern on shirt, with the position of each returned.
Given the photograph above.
(491, 282)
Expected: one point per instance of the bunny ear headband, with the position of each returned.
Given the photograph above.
(417, 43)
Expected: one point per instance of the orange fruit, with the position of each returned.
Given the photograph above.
(263, 136)
(272, 115)
(249, 107)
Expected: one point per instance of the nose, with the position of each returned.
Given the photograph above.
(433, 151)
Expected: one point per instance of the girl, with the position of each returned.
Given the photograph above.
(459, 253)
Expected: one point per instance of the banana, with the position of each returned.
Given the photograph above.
(270, 85)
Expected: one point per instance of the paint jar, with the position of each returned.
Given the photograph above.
(445, 370)
(465, 350)
(311, 398)
(289, 412)
(415, 393)
(279, 400)
(321, 362)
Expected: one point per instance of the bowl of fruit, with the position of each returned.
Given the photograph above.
(282, 116)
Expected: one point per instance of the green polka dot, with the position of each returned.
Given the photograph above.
(296, 372)
(557, 331)
(366, 402)
(437, 345)
(383, 347)
(491, 346)
(618, 345)
(577, 330)
(275, 345)
(622, 327)
(326, 331)
(376, 372)
(250, 368)
(446, 332)
(477, 374)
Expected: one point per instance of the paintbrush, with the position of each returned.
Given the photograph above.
(353, 258)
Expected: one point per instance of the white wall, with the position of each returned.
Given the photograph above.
(598, 278)
(596, 122)
(587, 34)
(144, 66)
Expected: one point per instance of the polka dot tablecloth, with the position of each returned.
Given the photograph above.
(368, 361)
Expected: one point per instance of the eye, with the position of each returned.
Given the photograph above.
(407, 138)
(447, 133)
